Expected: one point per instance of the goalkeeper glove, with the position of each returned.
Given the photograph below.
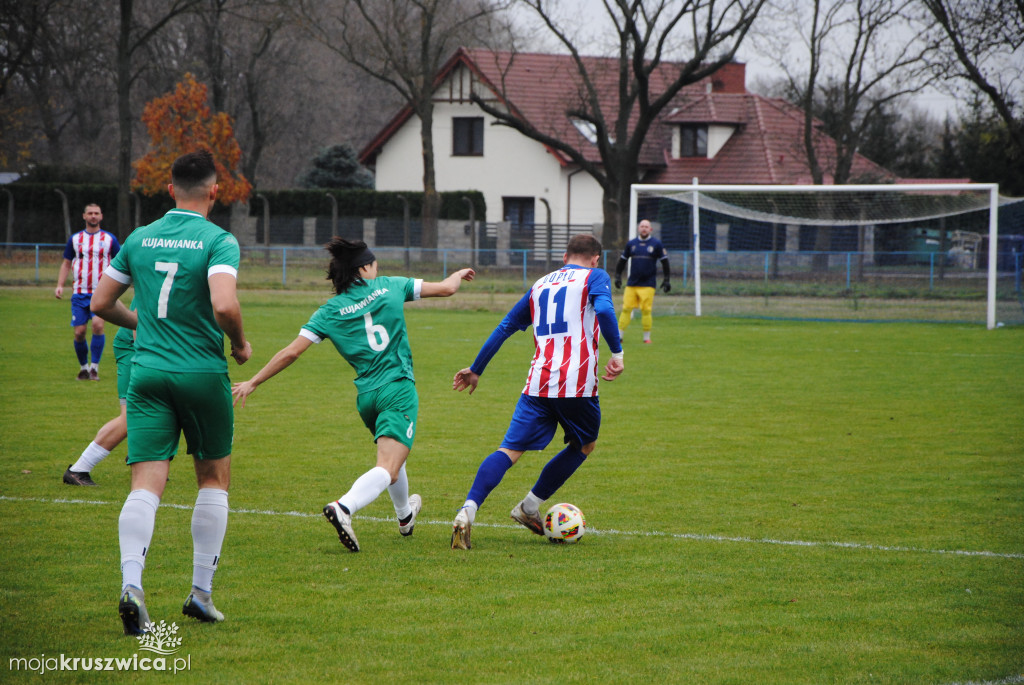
(618, 282)
(666, 286)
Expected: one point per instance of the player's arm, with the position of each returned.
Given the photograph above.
(280, 361)
(62, 277)
(228, 313)
(665, 282)
(448, 286)
(619, 268)
(105, 301)
(65, 268)
(517, 319)
(604, 308)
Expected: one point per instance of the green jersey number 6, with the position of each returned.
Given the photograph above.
(376, 334)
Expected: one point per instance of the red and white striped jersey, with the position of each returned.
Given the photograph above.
(565, 332)
(90, 254)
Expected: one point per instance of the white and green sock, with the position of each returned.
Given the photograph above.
(135, 532)
(209, 524)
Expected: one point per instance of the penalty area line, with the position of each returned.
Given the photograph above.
(698, 537)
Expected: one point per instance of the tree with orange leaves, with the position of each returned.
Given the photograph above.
(181, 122)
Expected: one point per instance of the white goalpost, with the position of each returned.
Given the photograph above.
(898, 235)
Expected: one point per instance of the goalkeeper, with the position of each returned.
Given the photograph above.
(643, 252)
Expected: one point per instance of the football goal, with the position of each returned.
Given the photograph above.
(862, 252)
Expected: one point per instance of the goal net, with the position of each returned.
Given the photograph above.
(922, 252)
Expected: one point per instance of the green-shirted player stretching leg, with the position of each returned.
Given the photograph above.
(183, 268)
(366, 322)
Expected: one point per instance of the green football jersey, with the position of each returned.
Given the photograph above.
(169, 262)
(367, 326)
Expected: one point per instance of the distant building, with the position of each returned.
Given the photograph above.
(715, 131)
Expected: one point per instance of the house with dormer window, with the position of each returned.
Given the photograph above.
(714, 131)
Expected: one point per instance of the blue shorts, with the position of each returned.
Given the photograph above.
(535, 419)
(80, 312)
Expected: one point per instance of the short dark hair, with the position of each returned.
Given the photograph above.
(91, 204)
(583, 246)
(193, 171)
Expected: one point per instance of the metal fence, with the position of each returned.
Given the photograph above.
(852, 285)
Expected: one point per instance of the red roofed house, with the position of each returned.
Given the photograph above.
(715, 131)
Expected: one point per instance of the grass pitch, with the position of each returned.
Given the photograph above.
(770, 502)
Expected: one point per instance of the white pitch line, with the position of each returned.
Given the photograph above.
(700, 537)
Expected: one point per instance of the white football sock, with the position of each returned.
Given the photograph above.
(399, 491)
(92, 455)
(366, 489)
(135, 532)
(209, 523)
(470, 506)
(531, 503)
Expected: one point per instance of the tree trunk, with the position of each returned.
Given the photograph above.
(431, 200)
(124, 122)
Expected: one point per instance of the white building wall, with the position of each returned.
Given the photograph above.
(718, 136)
(512, 166)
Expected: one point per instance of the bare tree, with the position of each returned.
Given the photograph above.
(853, 60)
(51, 54)
(404, 44)
(647, 35)
(133, 34)
(987, 41)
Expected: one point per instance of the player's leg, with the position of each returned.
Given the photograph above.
(135, 533)
(209, 525)
(80, 316)
(646, 300)
(390, 413)
(396, 427)
(629, 303)
(204, 407)
(531, 428)
(96, 345)
(580, 418)
(107, 438)
(152, 442)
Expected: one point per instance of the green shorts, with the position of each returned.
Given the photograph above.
(123, 356)
(163, 405)
(390, 411)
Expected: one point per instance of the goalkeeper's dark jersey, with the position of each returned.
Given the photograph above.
(645, 254)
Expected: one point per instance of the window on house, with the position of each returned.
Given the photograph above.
(467, 136)
(518, 211)
(693, 141)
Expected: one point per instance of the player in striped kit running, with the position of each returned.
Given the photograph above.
(86, 255)
(566, 309)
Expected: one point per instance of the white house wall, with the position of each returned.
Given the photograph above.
(511, 166)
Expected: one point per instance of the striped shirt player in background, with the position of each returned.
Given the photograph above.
(86, 255)
(566, 310)
(643, 253)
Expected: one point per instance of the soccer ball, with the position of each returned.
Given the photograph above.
(564, 523)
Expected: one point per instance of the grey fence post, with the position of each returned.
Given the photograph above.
(547, 251)
(266, 226)
(405, 229)
(67, 214)
(472, 232)
(137, 201)
(334, 214)
(10, 222)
